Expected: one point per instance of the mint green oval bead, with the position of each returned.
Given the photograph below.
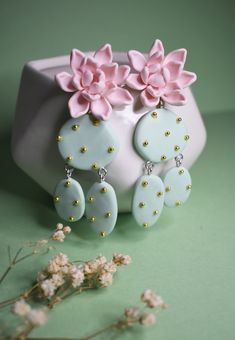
(160, 135)
(178, 185)
(69, 200)
(101, 208)
(148, 200)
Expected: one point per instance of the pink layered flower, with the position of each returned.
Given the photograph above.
(96, 82)
(158, 76)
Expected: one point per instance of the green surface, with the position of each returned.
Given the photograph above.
(189, 257)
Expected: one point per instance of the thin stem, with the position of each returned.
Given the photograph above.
(24, 295)
(11, 265)
(103, 330)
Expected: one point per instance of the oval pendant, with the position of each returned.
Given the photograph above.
(160, 135)
(178, 185)
(87, 143)
(101, 208)
(148, 200)
(69, 200)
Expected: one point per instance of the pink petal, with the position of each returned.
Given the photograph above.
(171, 86)
(176, 56)
(78, 105)
(153, 92)
(174, 69)
(119, 96)
(156, 80)
(153, 68)
(99, 76)
(174, 98)
(157, 47)
(104, 55)
(110, 70)
(145, 74)
(87, 78)
(156, 59)
(90, 97)
(65, 81)
(76, 58)
(148, 100)
(97, 87)
(186, 78)
(101, 108)
(77, 81)
(137, 60)
(135, 82)
(89, 64)
(122, 74)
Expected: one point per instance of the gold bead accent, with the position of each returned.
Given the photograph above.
(141, 204)
(155, 212)
(91, 199)
(163, 158)
(59, 138)
(154, 114)
(103, 190)
(189, 187)
(145, 225)
(181, 172)
(75, 127)
(57, 199)
(83, 149)
(96, 122)
(145, 143)
(111, 149)
(176, 148)
(159, 194)
(103, 234)
(145, 184)
(76, 202)
(94, 166)
(67, 184)
(93, 219)
(71, 218)
(178, 203)
(168, 188)
(108, 214)
(178, 120)
(167, 133)
(186, 137)
(69, 158)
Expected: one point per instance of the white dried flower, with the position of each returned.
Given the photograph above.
(21, 308)
(40, 243)
(101, 260)
(41, 276)
(147, 319)
(151, 299)
(120, 259)
(57, 280)
(77, 276)
(105, 280)
(37, 317)
(65, 269)
(59, 226)
(110, 267)
(132, 312)
(53, 267)
(48, 288)
(67, 230)
(61, 259)
(90, 267)
(58, 236)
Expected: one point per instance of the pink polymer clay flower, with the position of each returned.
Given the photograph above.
(158, 76)
(96, 82)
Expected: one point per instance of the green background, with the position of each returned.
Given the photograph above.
(189, 256)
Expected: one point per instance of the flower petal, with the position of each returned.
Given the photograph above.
(171, 86)
(137, 60)
(157, 47)
(174, 98)
(110, 70)
(122, 74)
(101, 108)
(77, 81)
(174, 69)
(186, 78)
(104, 55)
(87, 78)
(97, 87)
(176, 56)
(76, 58)
(156, 59)
(145, 74)
(78, 105)
(156, 80)
(89, 64)
(135, 82)
(65, 81)
(90, 97)
(148, 100)
(119, 96)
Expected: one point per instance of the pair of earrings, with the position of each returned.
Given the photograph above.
(86, 141)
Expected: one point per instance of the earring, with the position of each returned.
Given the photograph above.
(86, 141)
(160, 134)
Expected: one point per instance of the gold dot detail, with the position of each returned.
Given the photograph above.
(67, 184)
(83, 149)
(155, 212)
(176, 148)
(145, 184)
(163, 157)
(76, 202)
(159, 194)
(71, 218)
(103, 234)
(154, 114)
(111, 149)
(103, 190)
(93, 219)
(167, 133)
(59, 138)
(91, 199)
(108, 214)
(69, 158)
(56, 199)
(181, 172)
(186, 137)
(178, 203)
(145, 143)
(168, 188)
(75, 127)
(145, 225)
(178, 120)
(189, 187)
(94, 166)
(141, 204)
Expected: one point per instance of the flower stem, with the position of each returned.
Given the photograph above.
(25, 295)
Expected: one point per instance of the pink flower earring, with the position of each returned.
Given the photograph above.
(160, 135)
(86, 141)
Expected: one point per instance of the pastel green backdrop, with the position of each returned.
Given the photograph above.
(189, 256)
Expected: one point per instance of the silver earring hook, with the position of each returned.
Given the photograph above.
(148, 165)
(102, 172)
(179, 159)
(68, 170)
